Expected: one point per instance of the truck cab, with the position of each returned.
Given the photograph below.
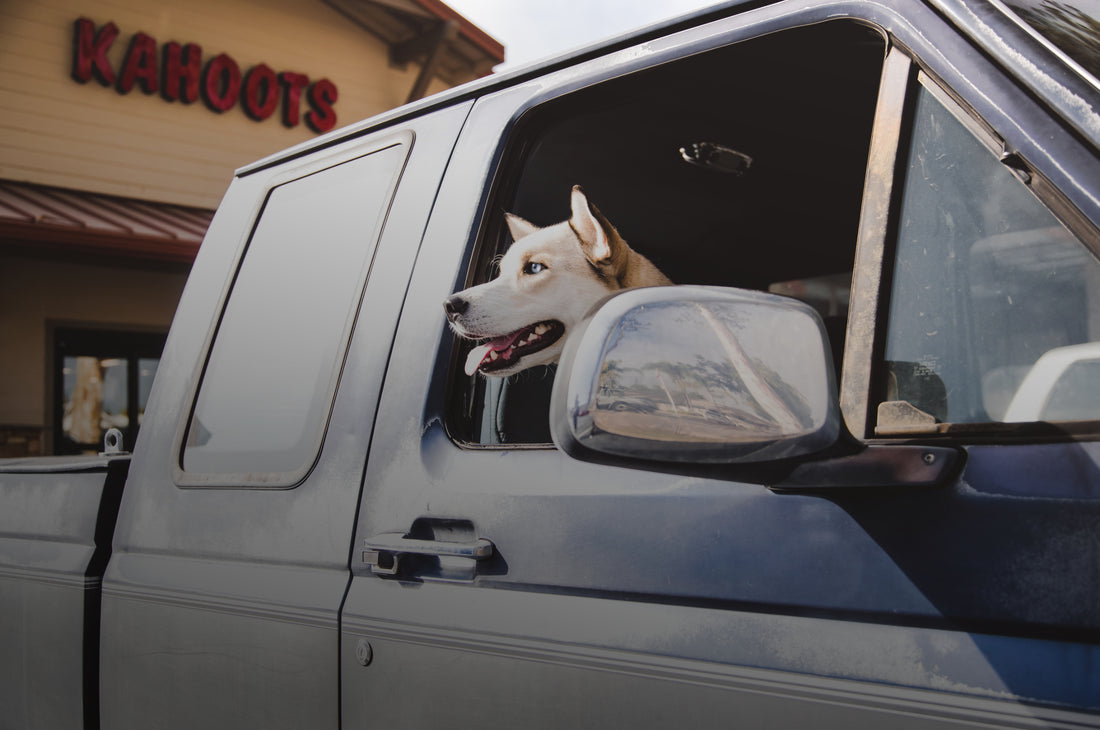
(326, 522)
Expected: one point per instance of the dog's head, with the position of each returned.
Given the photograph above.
(549, 278)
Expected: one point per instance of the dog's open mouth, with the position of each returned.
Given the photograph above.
(505, 351)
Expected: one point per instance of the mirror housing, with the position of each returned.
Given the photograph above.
(696, 374)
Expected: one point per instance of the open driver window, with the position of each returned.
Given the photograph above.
(743, 166)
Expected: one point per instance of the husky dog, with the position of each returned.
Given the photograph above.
(549, 278)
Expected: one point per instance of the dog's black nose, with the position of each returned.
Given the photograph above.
(454, 306)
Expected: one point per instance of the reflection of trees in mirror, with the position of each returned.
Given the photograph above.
(715, 381)
(706, 390)
(1067, 27)
(630, 324)
(609, 375)
(757, 377)
(794, 400)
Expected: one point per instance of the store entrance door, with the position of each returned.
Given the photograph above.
(102, 380)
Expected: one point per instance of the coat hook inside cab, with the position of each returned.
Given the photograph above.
(716, 157)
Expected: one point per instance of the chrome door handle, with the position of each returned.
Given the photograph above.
(383, 552)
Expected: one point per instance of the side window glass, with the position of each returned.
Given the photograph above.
(995, 306)
(710, 167)
(268, 386)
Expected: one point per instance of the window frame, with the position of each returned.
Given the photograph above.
(902, 74)
(543, 112)
(955, 59)
(877, 246)
(291, 479)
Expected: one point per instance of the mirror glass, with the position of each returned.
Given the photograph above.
(735, 376)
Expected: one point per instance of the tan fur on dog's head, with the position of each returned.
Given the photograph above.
(549, 278)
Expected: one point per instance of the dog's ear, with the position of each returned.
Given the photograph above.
(591, 228)
(519, 227)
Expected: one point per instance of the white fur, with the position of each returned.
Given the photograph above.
(584, 260)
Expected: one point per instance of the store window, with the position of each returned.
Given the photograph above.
(995, 308)
(742, 166)
(102, 381)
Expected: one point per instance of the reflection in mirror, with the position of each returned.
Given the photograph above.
(719, 386)
(706, 374)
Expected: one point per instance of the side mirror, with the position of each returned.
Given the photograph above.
(695, 374)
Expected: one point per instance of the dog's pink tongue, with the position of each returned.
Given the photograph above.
(476, 357)
(481, 352)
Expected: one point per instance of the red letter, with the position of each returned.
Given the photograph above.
(140, 63)
(261, 93)
(221, 83)
(90, 52)
(292, 84)
(181, 69)
(322, 95)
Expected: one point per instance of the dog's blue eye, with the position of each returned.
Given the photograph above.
(533, 267)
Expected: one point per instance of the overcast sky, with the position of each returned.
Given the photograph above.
(534, 29)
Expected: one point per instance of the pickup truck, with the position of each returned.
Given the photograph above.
(783, 493)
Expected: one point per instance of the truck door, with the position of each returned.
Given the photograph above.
(499, 582)
(221, 603)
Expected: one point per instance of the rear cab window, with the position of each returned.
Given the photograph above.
(262, 406)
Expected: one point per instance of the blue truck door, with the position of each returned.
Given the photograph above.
(504, 584)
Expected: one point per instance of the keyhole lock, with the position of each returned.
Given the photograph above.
(364, 653)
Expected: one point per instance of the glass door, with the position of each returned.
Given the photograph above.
(102, 380)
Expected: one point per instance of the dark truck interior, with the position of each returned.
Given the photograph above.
(742, 166)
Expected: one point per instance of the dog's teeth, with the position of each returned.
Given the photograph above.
(541, 329)
(493, 355)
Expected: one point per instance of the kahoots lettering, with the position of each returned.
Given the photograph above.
(179, 75)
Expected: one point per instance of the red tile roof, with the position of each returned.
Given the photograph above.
(43, 218)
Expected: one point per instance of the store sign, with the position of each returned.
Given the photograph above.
(178, 73)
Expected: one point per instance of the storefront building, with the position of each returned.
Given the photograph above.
(120, 127)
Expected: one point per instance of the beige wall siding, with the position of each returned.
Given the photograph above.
(56, 131)
(86, 136)
(36, 291)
